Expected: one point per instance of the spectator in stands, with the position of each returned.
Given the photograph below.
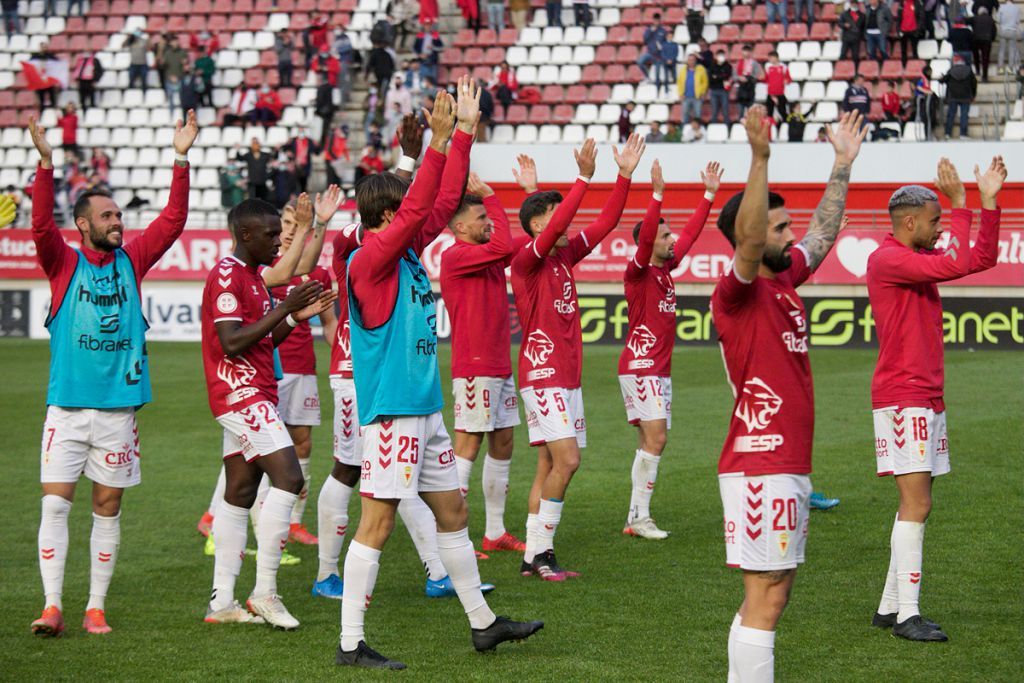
(891, 109)
(205, 67)
(961, 39)
(747, 75)
(256, 163)
(268, 107)
(374, 138)
(347, 58)
(49, 8)
(48, 61)
(925, 103)
(301, 149)
(241, 106)
(381, 64)
(174, 58)
(705, 57)
(625, 125)
(402, 14)
(984, 32)
(666, 66)
(12, 23)
(692, 84)
(429, 92)
(204, 40)
(554, 12)
(654, 37)
(694, 19)
(284, 185)
(910, 23)
(138, 66)
(283, 47)
(68, 122)
(429, 12)
(399, 95)
(719, 83)
(1020, 81)
(414, 80)
(326, 66)
(323, 107)
(316, 38)
(87, 71)
(857, 98)
(776, 76)
(486, 111)
(878, 21)
(990, 5)
(517, 10)
(777, 12)
(172, 88)
(799, 6)
(821, 136)
(190, 92)
(796, 122)
(232, 185)
(673, 134)
(505, 85)
(470, 12)
(72, 3)
(655, 134)
(695, 132)
(428, 46)
(1008, 19)
(852, 24)
(100, 164)
(581, 13)
(370, 164)
(336, 154)
(961, 89)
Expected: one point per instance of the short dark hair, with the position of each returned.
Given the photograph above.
(773, 53)
(748, 46)
(247, 212)
(727, 218)
(657, 15)
(83, 205)
(468, 201)
(537, 204)
(378, 193)
(638, 226)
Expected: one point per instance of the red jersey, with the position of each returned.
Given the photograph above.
(473, 287)
(891, 103)
(777, 77)
(551, 354)
(908, 311)
(235, 291)
(296, 351)
(651, 296)
(345, 242)
(762, 329)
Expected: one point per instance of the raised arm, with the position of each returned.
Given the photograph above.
(526, 176)
(649, 228)
(500, 246)
(712, 179)
(282, 272)
(410, 137)
(53, 252)
(827, 218)
(324, 208)
(985, 251)
(627, 162)
(751, 230)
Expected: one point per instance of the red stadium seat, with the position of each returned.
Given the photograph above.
(649, 13)
(464, 38)
(576, 94)
(176, 23)
(563, 114)
(256, 22)
(628, 54)
(868, 69)
(752, 33)
(243, 7)
(774, 33)
(742, 14)
(673, 16)
(160, 7)
(305, 6)
(195, 23)
(540, 114)
(761, 51)
(599, 94)
(761, 14)
(74, 25)
(473, 56)
(605, 54)
(6, 99)
(78, 43)
(618, 35)
(516, 114)
(876, 113)
(828, 12)
(154, 23)
(451, 55)
(454, 74)
(913, 69)
(58, 43)
(613, 73)
(892, 70)
(262, 6)
(487, 37)
(508, 37)
(494, 56)
(98, 43)
(906, 90)
(95, 24)
(736, 52)
(553, 94)
(797, 32)
(483, 73)
(26, 99)
(821, 31)
(636, 35)
(843, 71)
(8, 118)
(118, 8)
(268, 60)
(634, 75)
(631, 16)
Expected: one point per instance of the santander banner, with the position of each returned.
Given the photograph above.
(197, 251)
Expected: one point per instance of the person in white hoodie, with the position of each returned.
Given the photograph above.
(1008, 19)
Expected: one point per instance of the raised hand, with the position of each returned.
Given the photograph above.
(991, 182)
(468, 105)
(948, 183)
(303, 212)
(629, 158)
(478, 187)
(8, 210)
(410, 136)
(846, 138)
(441, 121)
(657, 178)
(712, 177)
(759, 128)
(302, 297)
(327, 203)
(586, 158)
(186, 134)
(323, 301)
(38, 134)
(526, 176)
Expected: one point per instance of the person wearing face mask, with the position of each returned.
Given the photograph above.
(268, 107)
(399, 95)
(719, 83)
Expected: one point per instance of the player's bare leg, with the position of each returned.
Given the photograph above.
(302, 437)
(332, 525)
(561, 463)
(652, 436)
(103, 544)
(752, 636)
(53, 552)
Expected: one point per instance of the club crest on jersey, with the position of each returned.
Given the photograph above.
(641, 341)
(538, 347)
(237, 373)
(757, 405)
(227, 303)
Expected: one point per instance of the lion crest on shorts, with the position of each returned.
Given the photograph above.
(237, 372)
(641, 341)
(757, 404)
(538, 347)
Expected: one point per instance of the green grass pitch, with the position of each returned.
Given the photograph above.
(642, 611)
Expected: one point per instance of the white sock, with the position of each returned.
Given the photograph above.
(457, 554)
(644, 474)
(332, 523)
(300, 504)
(890, 603)
(548, 517)
(908, 544)
(361, 565)
(419, 520)
(218, 492)
(464, 468)
(271, 537)
(53, 547)
(106, 536)
(257, 507)
(230, 533)
(495, 492)
(532, 538)
(755, 655)
(734, 676)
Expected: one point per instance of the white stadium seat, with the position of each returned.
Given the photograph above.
(573, 134)
(717, 132)
(585, 114)
(608, 114)
(598, 132)
(550, 133)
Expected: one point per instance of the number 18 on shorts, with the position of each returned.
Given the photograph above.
(910, 440)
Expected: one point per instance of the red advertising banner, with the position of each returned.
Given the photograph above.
(196, 253)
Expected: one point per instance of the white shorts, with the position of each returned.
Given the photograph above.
(553, 414)
(483, 404)
(405, 456)
(911, 440)
(647, 398)
(102, 444)
(766, 520)
(298, 400)
(347, 441)
(254, 431)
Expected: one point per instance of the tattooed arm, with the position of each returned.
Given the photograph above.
(828, 217)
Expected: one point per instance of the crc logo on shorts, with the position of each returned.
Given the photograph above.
(311, 402)
(125, 456)
(227, 303)
(447, 458)
(641, 341)
(756, 407)
(511, 402)
(538, 347)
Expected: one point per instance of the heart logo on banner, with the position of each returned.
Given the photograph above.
(853, 253)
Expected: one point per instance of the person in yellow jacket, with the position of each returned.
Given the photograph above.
(692, 84)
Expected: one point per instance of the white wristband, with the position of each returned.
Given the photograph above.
(292, 322)
(658, 196)
(180, 157)
(407, 164)
(710, 196)
(583, 178)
